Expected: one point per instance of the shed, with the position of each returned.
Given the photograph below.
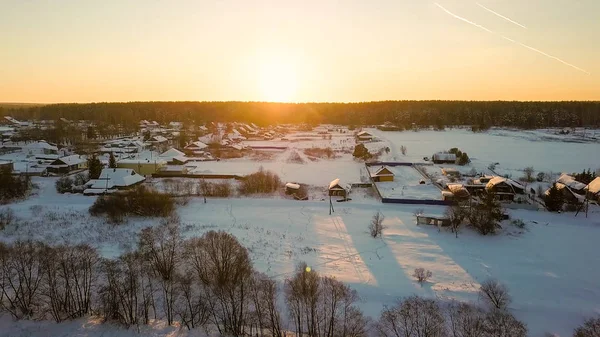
(451, 172)
(364, 136)
(383, 174)
(443, 158)
(142, 166)
(337, 189)
(439, 221)
(6, 165)
(291, 188)
(458, 191)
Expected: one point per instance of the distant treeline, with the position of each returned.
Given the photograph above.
(403, 113)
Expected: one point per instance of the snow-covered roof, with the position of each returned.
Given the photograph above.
(364, 133)
(570, 181)
(292, 186)
(444, 156)
(41, 145)
(594, 186)
(142, 161)
(116, 177)
(69, 160)
(334, 183)
(171, 153)
(159, 139)
(383, 172)
(561, 186)
(497, 180)
(196, 145)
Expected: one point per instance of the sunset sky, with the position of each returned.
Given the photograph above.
(298, 51)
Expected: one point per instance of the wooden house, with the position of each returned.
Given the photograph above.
(383, 174)
(443, 158)
(337, 189)
(504, 189)
(364, 136)
(68, 164)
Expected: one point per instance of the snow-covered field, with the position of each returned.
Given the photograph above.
(550, 266)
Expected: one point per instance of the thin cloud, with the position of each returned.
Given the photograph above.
(500, 15)
(511, 40)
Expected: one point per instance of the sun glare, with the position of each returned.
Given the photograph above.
(277, 81)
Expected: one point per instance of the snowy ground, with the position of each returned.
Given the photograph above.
(406, 185)
(546, 266)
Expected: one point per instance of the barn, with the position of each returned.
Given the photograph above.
(337, 189)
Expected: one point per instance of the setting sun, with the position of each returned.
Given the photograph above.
(277, 81)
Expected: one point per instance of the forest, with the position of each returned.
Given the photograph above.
(480, 114)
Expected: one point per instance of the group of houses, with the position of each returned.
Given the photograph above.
(575, 192)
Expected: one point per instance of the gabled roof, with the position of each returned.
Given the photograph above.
(69, 160)
(171, 153)
(334, 183)
(41, 145)
(383, 172)
(563, 187)
(568, 180)
(116, 177)
(196, 145)
(159, 139)
(364, 133)
(594, 186)
(498, 180)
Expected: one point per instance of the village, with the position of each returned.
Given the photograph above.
(329, 182)
(230, 151)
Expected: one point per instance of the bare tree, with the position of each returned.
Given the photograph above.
(422, 275)
(457, 214)
(302, 294)
(403, 150)
(225, 271)
(21, 277)
(376, 226)
(160, 246)
(264, 300)
(412, 317)
(528, 174)
(465, 320)
(590, 328)
(190, 306)
(494, 294)
(503, 324)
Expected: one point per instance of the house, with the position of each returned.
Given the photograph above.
(291, 188)
(364, 136)
(68, 164)
(451, 172)
(593, 189)
(573, 184)
(336, 189)
(158, 139)
(443, 158)
(112, 179)
(459, 192)
(195, 146)
(171, 153)
(504, 188)
(8, 120)
(6, 165)
(142, 166)
(383, 174)
(570, 196)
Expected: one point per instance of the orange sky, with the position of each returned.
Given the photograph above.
(86, 51)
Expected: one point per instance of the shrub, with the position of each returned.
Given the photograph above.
(218, 190)
(361, 152)
(519, 223)
(422, 275)
(7, 216)
(64, 184)
(540, 176)
(13, 187)
(376, 225)
(413, 316)
(140, 201)
(260, 182)
(463, 159)
(320, 152)
(485, 217)
(590, 328)
(403, 150)
(528, 174)
(80, 179)
(555, 199)
(495, 294)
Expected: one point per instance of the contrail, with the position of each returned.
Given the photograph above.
(511, 40)
(500, 15)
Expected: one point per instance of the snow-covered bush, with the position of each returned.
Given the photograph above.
(260, 182)
(80, 179)
(141, 201)
(495, 294)
(422, 275)
(64, 184)
(13, 187)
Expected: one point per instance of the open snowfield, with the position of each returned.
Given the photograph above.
(548, 266)
(513, 150)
